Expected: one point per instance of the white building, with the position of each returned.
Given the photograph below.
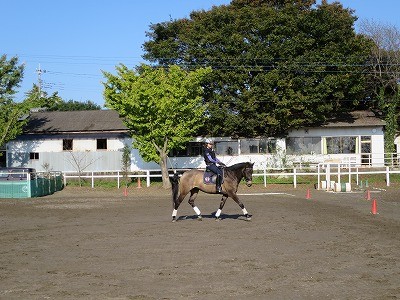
(94, 140)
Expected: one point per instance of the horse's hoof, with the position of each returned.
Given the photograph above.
(199, 218)
(218, 219)
(173, 220)
(248, 217)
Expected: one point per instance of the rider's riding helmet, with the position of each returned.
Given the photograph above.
(209, 141)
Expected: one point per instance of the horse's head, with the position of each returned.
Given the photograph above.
(248, 173)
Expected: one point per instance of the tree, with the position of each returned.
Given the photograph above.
(80, 161)
(126, 163)
(10, 112)
(10, 76)
(72, 105)
(276, 64)
(40, 98)
(162, 107)
(384, 75)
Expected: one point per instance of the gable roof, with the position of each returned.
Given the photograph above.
(85, 121)
(359, 118)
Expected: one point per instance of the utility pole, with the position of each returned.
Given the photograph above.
(39, 71)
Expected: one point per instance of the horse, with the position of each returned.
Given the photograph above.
(192, 181)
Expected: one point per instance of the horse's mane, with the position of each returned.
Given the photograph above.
(238, 166)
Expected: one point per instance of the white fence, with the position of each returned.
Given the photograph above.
(323, 172)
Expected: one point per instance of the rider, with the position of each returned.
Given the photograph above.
(211, 161)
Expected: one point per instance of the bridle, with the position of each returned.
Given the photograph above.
(246, 178)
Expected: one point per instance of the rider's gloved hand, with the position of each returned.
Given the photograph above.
(222, 164)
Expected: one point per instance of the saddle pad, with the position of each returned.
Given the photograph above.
(210, 178)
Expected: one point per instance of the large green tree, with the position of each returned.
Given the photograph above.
(162, 107)
(276, 64)
(11, 74)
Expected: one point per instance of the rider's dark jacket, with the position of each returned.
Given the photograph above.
(210, 157)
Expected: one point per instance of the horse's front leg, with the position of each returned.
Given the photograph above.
(193, 195)
(244, 210)
(221, 206)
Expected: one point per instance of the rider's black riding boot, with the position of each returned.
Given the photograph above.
(218, 183)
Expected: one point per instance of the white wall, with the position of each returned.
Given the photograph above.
(56, 145)
(51, 154)
(18, 152)
(375, 132)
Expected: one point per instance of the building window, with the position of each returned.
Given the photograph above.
(258, 146)
(101, 144)
(67, 144)
(191, 149)
(34, 155)
(303, 145)
(227, 147)
(340, 145)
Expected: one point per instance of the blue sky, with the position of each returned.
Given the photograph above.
(73, 40)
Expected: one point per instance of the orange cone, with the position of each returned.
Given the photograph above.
(368, 195)
(139, 183)
(374, 209)
(308, 195)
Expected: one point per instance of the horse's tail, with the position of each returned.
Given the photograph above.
(175, 188)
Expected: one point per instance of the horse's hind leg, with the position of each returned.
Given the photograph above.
(193, 195)
(221, 206)
(178, 202)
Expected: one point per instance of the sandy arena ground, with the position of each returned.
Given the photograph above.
(85, 243)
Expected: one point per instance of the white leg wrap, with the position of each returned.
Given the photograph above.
(244, 211)
(218, 213)
(174, 212)
(197, 210)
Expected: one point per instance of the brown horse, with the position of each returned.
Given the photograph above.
(192, 181)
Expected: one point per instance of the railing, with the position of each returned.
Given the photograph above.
(342, 172)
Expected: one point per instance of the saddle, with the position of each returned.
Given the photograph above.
(211, 178)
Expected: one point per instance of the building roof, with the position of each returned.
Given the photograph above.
(360, 118)
(85, 121)
(92, 121)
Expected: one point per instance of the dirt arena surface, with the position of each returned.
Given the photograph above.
(84, 243)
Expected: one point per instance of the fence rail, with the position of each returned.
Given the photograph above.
(324, 171)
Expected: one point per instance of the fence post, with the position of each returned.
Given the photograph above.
(265, 176)
(387, 176)
(294, 178)
(148, 178)
(349, 172)
(318, 176)
(92, 180)
(118, 179)
(328, 176)
(357, 179)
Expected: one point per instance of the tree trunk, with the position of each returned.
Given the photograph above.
(164, 170)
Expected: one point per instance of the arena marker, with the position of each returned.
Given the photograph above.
(308, 195)
(125, 191)
(374, 209)
(139, 183)
(368, 195)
